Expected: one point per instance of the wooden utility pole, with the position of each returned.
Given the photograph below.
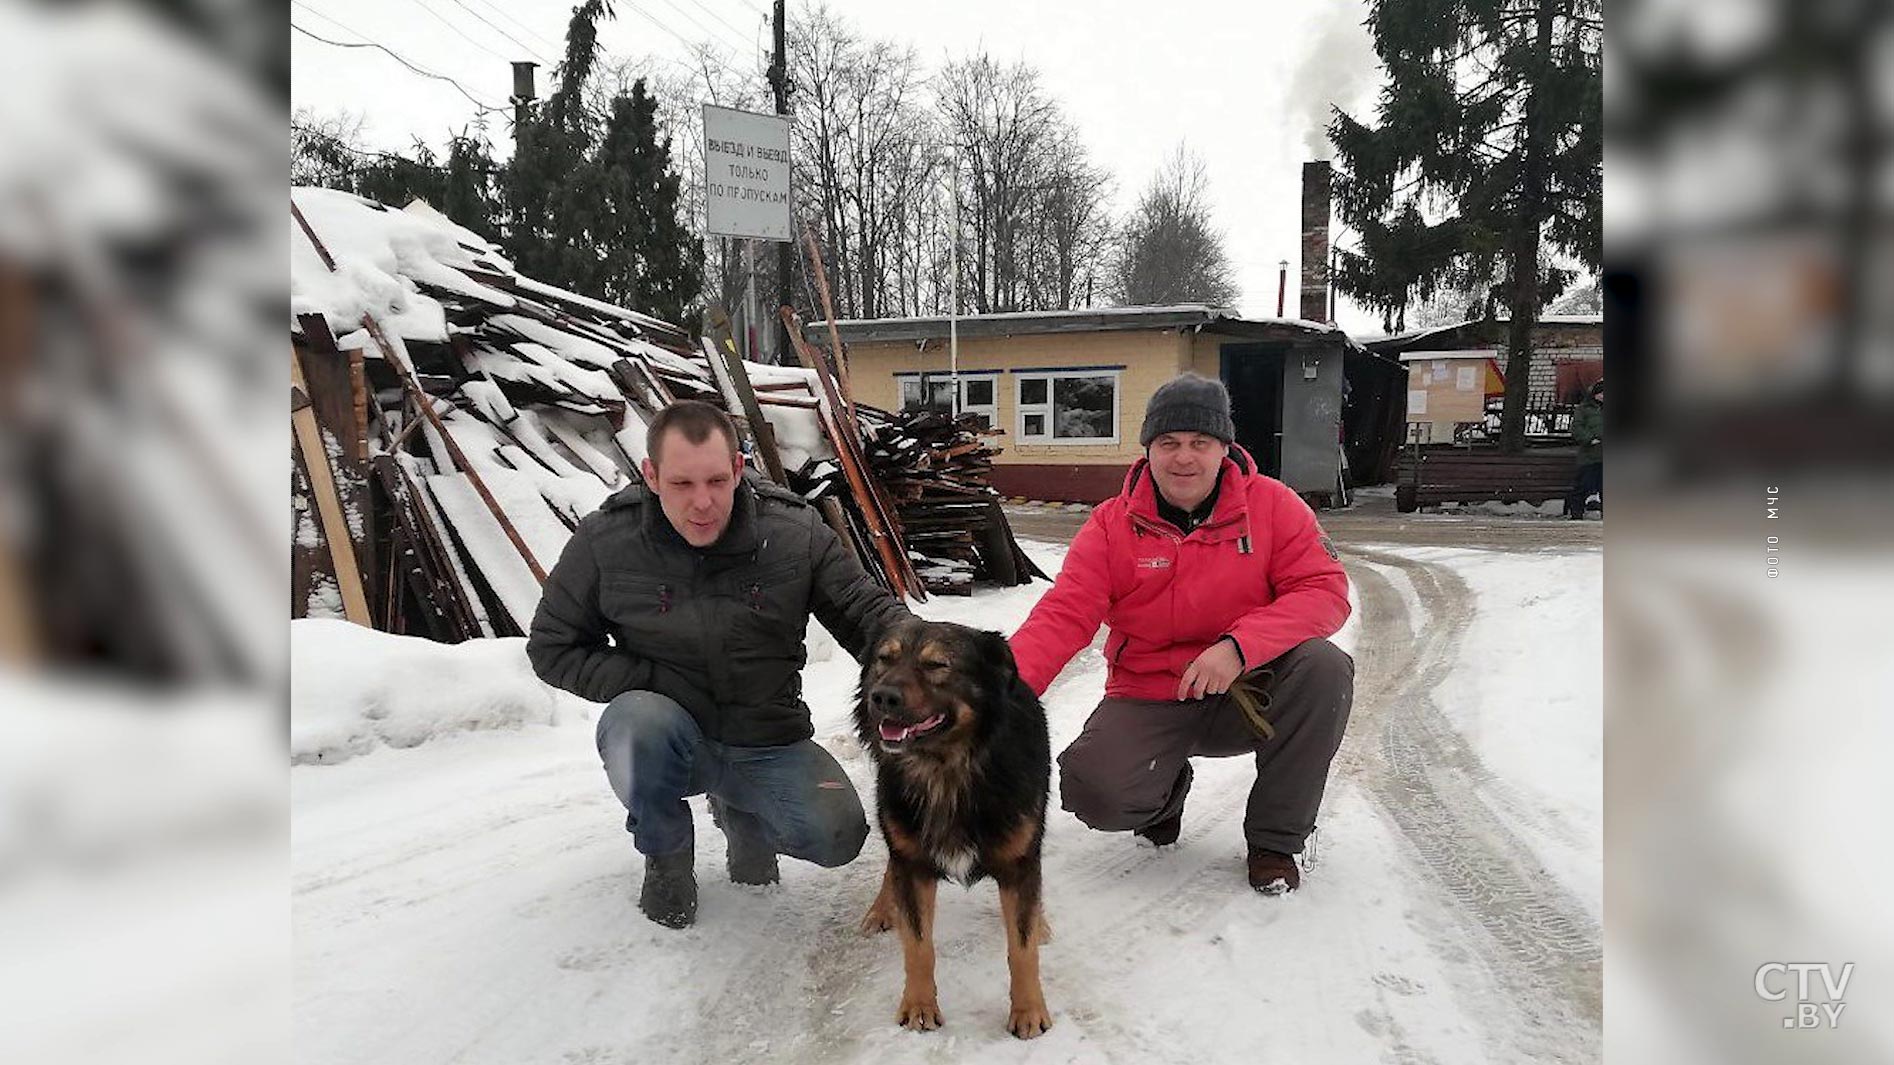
(779, 81)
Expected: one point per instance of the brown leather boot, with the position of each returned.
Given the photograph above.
(1273, 873)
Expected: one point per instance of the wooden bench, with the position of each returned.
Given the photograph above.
(1447, 473)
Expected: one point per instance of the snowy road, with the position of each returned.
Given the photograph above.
(471, 899)
(1540, 945)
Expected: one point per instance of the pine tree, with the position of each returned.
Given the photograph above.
(552, 221)
(645, 261)
(327, 153)
(592, 201)
(1486, 153)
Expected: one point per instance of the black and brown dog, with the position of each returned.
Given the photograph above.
(963, 765)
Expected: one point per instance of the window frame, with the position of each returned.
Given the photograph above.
(926, 379)
(1021, 408)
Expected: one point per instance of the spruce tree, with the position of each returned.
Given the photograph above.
(645, 261)
(551, 221)
(592, 201)
(1486, 153)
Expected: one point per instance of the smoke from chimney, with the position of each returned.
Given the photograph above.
(1338, 66)
(1317, 175)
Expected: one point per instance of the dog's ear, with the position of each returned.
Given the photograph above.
(998, 654)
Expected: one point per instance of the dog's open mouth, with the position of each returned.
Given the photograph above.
(894, 732)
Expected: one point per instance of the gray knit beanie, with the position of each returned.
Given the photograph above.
(1188, 404)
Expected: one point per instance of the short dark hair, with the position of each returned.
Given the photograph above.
(696, 420)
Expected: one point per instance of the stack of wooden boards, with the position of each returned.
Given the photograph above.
(455, 420)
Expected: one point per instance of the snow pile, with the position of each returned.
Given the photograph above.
(354, 689)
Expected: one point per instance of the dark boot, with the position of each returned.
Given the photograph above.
(669, 894)
(1273, 873)
(748, 854)
(1164, 831)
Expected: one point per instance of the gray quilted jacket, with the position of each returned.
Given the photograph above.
(631, 605)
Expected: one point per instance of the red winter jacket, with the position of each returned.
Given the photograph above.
(1259, 570)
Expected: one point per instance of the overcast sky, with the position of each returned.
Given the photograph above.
(1243, 84)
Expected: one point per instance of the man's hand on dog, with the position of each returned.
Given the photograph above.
(1211, 673)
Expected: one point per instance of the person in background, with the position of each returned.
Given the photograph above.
(1588, 431)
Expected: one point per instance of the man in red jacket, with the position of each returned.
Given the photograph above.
(1206, 571)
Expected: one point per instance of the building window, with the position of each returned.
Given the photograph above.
(1069, 407)
(935, 392)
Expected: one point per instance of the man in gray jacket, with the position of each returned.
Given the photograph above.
(683, 604)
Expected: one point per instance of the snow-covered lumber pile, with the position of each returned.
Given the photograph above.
(463, 417)
(454, 419)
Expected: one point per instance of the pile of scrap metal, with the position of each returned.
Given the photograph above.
(454, 420)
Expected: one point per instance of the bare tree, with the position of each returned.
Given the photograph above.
(323, 148)
(1075, 232)
(998, 125)
(1169, 250)
(866, 158)
(883, 156)
(1031, 203)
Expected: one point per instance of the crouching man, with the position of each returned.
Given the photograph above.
(683, 604)
(1220, 590)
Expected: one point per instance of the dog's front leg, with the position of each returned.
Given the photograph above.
(882, 914)
(913, 889)
(1026, 928)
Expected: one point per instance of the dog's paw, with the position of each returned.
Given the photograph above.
(876, 921)
(918, 1014)
(1029, 1020)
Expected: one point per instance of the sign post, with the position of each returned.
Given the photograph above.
(746, 188)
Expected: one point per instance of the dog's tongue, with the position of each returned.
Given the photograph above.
(894, 733)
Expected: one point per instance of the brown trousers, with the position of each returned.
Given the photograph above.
(1130, 767)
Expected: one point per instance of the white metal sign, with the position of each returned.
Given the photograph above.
(746, 174)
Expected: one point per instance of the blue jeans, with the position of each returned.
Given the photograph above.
(655, 757)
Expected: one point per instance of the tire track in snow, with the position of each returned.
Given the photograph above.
(1537, 941)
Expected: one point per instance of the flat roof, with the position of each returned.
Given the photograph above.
(1464, 353)
(1199, 317)
(1544, 319)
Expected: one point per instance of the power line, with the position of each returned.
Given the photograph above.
(498, 30)
(422, 4)
(524, 28)
(699, 5)
(482, 104)
(331, 20)
(686, 42)
(688, 17)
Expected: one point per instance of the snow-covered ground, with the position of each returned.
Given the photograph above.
(471, 898)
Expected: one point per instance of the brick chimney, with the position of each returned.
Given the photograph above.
(1316, 176)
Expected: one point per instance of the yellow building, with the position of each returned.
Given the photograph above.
(1069, 388)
